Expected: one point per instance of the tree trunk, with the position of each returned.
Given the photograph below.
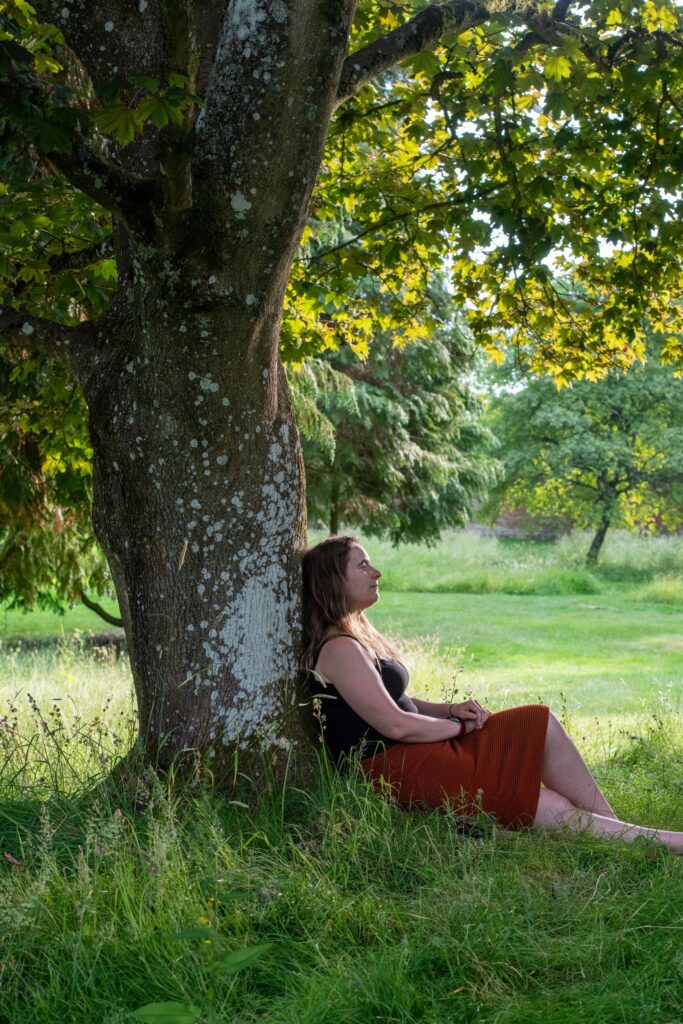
(198, 503)
(598, 538)
(198, 492)
(334, 506)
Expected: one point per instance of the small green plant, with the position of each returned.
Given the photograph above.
(188, 1013)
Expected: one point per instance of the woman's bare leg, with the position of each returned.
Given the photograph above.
(565, 772)
(555, 811)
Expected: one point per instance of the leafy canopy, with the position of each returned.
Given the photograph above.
(507, 154)
(502, 154)
(513, 159)
(394, 444)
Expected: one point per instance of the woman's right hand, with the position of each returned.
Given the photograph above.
(471, 712)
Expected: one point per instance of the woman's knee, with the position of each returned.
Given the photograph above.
(553, 809)
(555, 731)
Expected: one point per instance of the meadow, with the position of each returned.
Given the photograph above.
(326, 904)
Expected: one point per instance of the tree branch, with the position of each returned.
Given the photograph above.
(560, 9)
(80, 258)
(113, 620)
(128, 196)
(394, 217)
(421, 32)
(428, 26)
(24, 331)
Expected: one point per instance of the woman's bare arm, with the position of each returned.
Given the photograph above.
(348, 666)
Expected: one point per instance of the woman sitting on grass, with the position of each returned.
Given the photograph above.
(431, 753)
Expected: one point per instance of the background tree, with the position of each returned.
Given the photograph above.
(397, 447)
(495, 131)
(604, 453)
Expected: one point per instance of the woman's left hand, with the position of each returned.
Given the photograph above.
(470, 710)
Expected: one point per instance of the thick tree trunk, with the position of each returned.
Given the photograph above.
(197, 476)
(198, 503)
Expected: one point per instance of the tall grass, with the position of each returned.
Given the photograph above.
(350, 909)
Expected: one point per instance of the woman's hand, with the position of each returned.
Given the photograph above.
(472, 714)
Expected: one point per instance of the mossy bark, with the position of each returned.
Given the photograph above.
(198, 481)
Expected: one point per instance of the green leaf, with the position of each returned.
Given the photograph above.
(12, 53)
(168, 1013)
(145, 82)
(51, 139)
(242, 958)
(119, 121)
(557, 67)
(160, 111)
(7, 268)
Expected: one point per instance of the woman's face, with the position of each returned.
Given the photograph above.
(362, 586)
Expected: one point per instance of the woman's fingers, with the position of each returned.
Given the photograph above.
(471, 710)
(478, 712)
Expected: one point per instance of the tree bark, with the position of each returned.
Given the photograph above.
(94, 606)
(599, 538)
(198, 492)
(334, 506)
(198, 503)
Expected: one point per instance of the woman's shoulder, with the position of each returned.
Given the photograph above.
(343, 646)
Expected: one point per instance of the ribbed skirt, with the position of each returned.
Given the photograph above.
(495, 769)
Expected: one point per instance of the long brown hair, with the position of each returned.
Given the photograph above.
(325, 605)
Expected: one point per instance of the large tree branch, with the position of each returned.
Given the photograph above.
(130, 197)
(426, 28)
(24, 331)
(559, 14)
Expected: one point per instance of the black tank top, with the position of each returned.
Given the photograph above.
(343, 730)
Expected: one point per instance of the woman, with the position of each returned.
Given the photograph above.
(430, 752)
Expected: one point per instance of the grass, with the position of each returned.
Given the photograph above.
(41, 623)
(366, 913)
(352, 910)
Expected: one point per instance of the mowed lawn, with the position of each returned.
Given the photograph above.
(602, 655)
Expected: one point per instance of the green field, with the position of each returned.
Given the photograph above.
(120, 896)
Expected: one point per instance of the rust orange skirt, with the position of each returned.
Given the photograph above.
(496, 769)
